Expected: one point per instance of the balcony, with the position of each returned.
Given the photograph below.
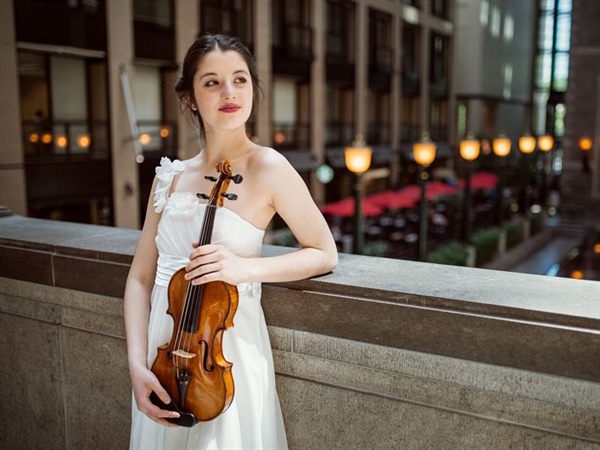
(379, 352)
(292, 51)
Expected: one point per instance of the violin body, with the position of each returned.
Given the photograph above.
(210, 388)
(191, 366)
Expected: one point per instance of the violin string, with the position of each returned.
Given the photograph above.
(193, 298)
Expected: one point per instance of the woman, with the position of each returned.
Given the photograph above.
(217, 86)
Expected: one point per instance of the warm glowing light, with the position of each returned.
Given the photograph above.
(279, 137)
(424, 151)
(83, 141)
(469, 148)
(358, 156)
(34, 138)
(61, 141)
(545, 143)
(527, 144)
(145, 138)
(585, 143)
(501, 146)
(164, 132)
(46, 138)
(577, 275)
(597, 248)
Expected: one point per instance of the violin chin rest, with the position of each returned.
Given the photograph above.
(185, 419)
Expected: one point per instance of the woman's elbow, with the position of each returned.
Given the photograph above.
(331, 260)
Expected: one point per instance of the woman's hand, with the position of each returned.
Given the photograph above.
(215, 263)
(144, 382)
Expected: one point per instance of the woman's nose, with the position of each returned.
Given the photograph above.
(228, 91)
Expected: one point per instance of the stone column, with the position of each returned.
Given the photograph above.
(318, 94)
(424, 69)
(187, 27)
(262, 53)
(361, 69)
(396, 97)
(12, 170)
(119, 18)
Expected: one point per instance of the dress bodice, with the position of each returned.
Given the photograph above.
(181, 222)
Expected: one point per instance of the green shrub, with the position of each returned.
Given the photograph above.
(514, 234)
(537, 222)
(485, 242)
(452, 253)
(376, 248)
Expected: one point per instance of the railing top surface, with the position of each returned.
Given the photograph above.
(531, 322)
(425, 285)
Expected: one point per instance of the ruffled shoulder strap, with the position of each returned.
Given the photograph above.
(165, 174)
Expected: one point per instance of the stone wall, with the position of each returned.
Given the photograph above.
(379, 354)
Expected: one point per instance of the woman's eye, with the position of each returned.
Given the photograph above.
(241, 80)
(211, 83)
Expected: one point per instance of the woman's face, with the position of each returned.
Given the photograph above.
(223, 91)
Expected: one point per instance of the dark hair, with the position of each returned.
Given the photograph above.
(207, 43)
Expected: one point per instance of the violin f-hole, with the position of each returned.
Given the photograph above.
(206, 360)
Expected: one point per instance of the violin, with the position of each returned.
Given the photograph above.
(191, 366)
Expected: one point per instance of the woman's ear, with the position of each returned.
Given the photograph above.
(188, 101)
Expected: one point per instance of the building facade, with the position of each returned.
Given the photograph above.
(88, 106)
(87, 91)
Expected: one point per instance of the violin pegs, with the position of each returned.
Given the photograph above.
(230, 196)
(210, 178)
(203, 196)
(237, 179)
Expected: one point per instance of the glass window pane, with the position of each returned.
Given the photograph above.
(561, 71)
(543, 70)
(540, 102)
(565, 6)
(546, 5)
(563, 33)
(546, 32)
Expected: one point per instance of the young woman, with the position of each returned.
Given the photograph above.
(218, 85)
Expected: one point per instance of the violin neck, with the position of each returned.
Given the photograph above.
(207, 225)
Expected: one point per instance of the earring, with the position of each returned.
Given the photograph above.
(194, 108)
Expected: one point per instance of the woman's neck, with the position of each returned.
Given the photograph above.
(225, 145)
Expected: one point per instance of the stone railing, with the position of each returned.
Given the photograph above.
(379, 354)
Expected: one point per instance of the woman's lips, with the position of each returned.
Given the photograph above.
(229, 108)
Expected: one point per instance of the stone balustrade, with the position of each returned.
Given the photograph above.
(379, 354)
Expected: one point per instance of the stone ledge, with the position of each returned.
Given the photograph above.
(544, 324)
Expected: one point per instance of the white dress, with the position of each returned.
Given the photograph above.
(254, 419)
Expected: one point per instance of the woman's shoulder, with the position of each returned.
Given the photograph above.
(168, 168)
(267, 158)
(165, 173)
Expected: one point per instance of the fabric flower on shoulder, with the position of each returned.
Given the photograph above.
(182, 204)
(165, 174)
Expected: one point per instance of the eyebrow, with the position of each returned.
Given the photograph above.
(214, 74)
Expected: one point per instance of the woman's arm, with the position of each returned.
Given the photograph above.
(289, 197)
(138, 290)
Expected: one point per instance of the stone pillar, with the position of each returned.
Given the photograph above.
(583, 106)
(451, 125)
(262, 53)
(396, 98)
(424, 69)
(12, 170)
(119, 18)
(187, 27)
(361, 69)
(317, 95)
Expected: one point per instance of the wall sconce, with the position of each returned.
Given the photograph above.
(527, 144)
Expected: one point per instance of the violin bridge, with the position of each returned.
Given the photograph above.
(183, 354)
